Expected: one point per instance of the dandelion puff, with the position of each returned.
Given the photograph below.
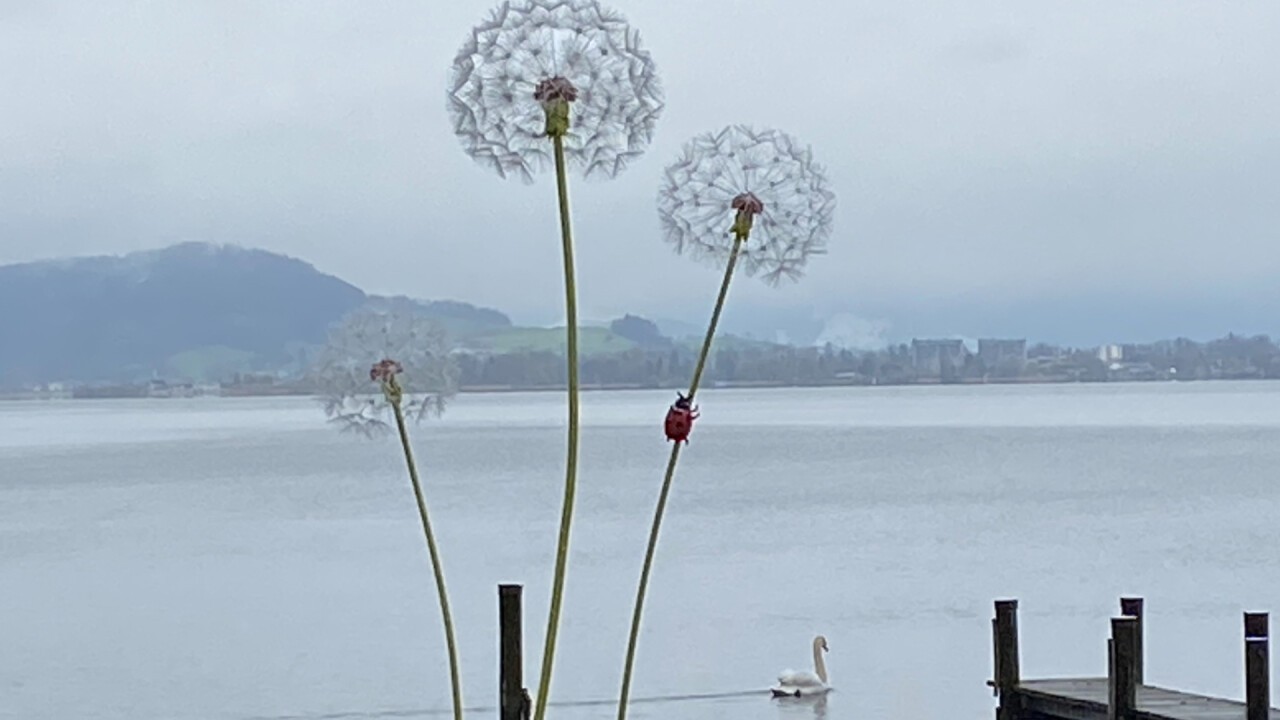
(563, 84)
(372, 348)
(737, 197)
(364, 338)
(696, 201)
(578, 44)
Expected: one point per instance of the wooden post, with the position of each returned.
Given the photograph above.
(511, 693)
(995, 659)
(1257, 671)
(1007, 672)
(1122, 685)
(1132, 607)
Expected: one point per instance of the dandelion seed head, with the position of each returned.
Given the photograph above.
(764, 174)
(529, 53)
(380, 345)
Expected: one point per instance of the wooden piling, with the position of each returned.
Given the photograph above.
(1122, 680)
(1007, 672)
(512, 697)
(1132, 607)
(1122, 694)
(1257, 671)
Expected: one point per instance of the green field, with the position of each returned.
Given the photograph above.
(209, 364)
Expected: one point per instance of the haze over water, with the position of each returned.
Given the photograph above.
(238, 558)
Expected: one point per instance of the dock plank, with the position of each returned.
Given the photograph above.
(1086, 699)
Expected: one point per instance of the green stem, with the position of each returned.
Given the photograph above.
(571, 465)
(435, 563)
(715, 316)
(666, 482)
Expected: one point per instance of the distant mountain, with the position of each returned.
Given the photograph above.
(205, 312)
(121, 318)
(463, 321)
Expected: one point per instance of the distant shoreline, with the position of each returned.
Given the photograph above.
(234, 392)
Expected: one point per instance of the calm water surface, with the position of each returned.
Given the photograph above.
(212, 558)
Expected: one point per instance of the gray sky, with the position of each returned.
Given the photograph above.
(988, 156)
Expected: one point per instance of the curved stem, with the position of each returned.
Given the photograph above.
(666, 483)
(436, 567)
(715, 315)
(571, 465)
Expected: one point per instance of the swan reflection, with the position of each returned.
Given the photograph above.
(804, 706)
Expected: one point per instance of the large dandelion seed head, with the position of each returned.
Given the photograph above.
(765, 175)
(532, 53)
(373, 346)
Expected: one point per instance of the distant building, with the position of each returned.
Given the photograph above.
(160, 389)
(938, 358)
(1111, 353)
(52, 391)
(1003, 357)
(1123, 371)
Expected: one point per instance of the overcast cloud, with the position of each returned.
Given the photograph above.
(987, 156)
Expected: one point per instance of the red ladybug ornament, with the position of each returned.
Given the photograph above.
(680, 419)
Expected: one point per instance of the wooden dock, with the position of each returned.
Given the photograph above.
(1123, 694)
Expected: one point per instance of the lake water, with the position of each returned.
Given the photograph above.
(239, 558)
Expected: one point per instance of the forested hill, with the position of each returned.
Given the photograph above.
(110, 318)
(195, 310)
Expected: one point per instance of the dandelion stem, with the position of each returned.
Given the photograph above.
(436, 567)
(715, 316)
(571, 465)
(666, 481)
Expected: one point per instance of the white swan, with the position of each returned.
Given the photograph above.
(792, 683)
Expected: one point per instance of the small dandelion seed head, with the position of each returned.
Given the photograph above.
(394, 344)
(532, 53)
(764, 177)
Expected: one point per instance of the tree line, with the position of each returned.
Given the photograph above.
(1231, 357)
